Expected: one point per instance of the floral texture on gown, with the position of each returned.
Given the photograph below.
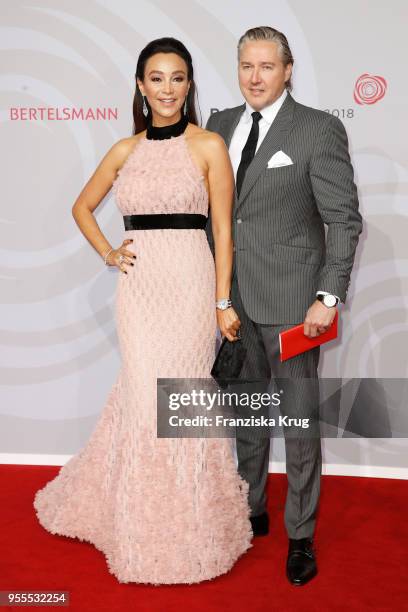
(162, 510)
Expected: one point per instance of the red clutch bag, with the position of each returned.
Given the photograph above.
(293, 341)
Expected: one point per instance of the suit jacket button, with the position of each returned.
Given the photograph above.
(239, 220)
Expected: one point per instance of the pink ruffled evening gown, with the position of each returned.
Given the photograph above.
(162, 510)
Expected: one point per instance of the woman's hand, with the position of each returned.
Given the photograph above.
(113, 259)
(229, 323)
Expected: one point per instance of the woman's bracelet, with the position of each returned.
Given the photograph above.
(106, 256)
(223, 304)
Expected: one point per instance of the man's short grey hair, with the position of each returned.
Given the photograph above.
(270, 34)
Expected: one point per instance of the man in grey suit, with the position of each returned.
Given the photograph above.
(293, 178)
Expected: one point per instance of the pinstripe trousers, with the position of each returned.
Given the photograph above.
(297, 379)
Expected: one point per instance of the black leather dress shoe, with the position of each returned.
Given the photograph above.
(301, 564)
(260, 524)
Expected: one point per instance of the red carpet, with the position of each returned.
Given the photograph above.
(361, 542)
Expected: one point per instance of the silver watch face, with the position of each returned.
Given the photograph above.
(329, 300)
(223, 304)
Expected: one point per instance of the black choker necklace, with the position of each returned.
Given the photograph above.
(167, 131)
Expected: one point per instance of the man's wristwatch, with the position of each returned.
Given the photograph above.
(223, 304)
(328, 300)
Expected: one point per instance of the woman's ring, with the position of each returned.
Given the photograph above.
(121, 258)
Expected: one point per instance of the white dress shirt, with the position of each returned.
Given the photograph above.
(241, 133)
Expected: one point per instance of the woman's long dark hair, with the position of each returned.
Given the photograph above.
(162, 45)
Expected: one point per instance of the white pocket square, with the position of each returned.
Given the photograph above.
(279, 159)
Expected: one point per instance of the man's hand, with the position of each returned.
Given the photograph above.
(318, 319)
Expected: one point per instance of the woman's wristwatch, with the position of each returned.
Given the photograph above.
(223, 304)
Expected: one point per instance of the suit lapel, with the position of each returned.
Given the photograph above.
(227, 126)
(227, 129)
(270, 145)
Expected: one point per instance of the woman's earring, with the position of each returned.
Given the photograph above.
(185, 106)
(145, 109)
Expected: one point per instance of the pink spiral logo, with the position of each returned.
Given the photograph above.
(369, 89)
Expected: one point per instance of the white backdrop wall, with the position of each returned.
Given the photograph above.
(72, 64)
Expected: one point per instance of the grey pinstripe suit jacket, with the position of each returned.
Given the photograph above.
(282, 255)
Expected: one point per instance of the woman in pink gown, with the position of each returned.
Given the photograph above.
(162, 510)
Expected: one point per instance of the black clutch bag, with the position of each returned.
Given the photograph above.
(228, 362)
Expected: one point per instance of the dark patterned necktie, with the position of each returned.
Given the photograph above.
(248, 151)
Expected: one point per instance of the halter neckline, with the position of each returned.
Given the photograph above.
(167, 131)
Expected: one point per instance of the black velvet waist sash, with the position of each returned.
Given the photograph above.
(165, 221)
